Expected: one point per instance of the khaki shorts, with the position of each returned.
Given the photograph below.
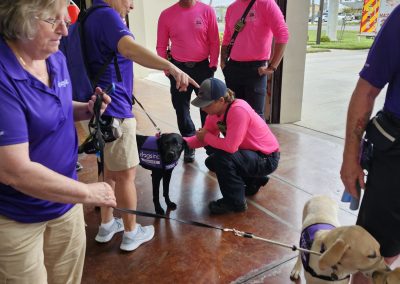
(122, 154)
(45, 252)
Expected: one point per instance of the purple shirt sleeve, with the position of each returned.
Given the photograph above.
(13, 124)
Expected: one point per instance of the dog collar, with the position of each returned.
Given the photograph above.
(306, 240)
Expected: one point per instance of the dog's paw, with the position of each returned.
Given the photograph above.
(171, 205)
(294, 275)
(297, 268)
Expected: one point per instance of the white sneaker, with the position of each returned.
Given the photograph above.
(104, 235)
(143, 235)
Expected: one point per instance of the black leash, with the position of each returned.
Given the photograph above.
(97, 135)
(154, 215)
(199, 224)
(152, 121)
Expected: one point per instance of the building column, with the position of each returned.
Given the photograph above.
(143, 24)
(294, 61)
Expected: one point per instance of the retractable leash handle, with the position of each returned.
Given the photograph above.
(98, 135)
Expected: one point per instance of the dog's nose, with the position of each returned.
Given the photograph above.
(170, 156)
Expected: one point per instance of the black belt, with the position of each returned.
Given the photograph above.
(256, 63)
(189, 64)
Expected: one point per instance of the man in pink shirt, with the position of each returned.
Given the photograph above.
(189, 30)
(244, 156)
(250, 61)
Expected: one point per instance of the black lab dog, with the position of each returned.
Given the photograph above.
(160, 155)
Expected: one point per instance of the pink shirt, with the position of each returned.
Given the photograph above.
(193, 33)
(263, 22)
(245, 131)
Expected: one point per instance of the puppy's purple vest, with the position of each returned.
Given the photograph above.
(149, 155)
(306, 240)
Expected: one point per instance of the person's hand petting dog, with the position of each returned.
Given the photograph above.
(105, 103)
(201, 133)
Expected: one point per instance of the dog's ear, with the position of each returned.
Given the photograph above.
(333, 255)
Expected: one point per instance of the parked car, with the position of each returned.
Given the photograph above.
(346, 17)
(349, 17)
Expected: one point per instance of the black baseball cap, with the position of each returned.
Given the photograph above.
(210, 90)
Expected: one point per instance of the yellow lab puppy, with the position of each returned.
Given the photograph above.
(386, 277)
(344, 250)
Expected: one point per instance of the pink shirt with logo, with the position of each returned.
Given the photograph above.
(193, 33)
(264, 22)
(246, 130)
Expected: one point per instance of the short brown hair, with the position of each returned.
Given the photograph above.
(18, 18)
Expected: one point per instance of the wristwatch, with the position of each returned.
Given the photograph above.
(272, 68)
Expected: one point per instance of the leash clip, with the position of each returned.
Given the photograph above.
(227, 230)
(242, 234)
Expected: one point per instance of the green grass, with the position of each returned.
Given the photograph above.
(317, 50)
(349, 41)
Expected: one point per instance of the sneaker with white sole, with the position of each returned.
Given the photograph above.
(143, 235)
(104, 235)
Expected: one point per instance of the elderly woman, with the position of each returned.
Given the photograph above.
(106, 33)
(245, 154)
(42, 230)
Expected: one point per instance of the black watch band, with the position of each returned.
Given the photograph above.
(272, 67)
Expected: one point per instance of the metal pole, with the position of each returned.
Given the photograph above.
(319, 28)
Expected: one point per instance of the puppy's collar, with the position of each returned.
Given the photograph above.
(306, 240)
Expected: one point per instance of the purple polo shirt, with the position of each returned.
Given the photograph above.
(103, 30)
(31, 112)
(383, 62)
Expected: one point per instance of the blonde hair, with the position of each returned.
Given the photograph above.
(229, 96)
(18, 18)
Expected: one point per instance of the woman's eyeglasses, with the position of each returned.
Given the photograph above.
(55, 22)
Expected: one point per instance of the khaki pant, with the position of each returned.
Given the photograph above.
(46, 252)
(122, 154)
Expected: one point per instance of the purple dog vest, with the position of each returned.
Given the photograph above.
(307, 239)
(149, 155)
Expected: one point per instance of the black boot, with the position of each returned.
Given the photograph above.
(188, 156)
(253, 185)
